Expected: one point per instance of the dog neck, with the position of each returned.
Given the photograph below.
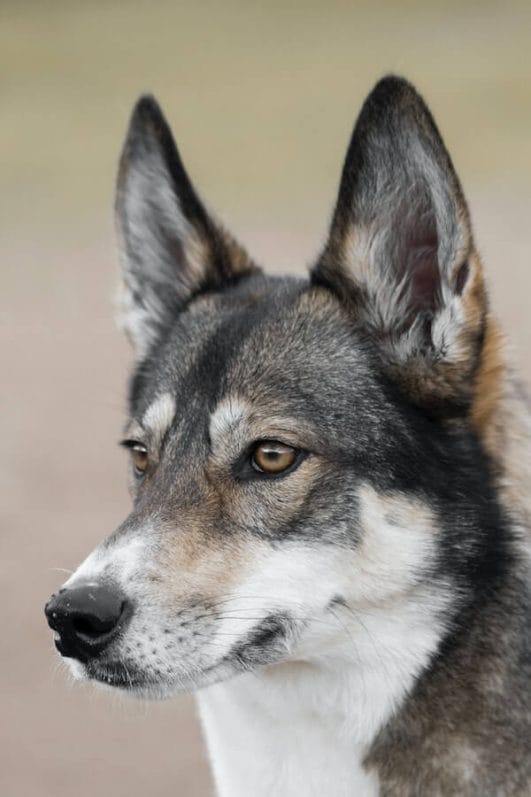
(303, 727)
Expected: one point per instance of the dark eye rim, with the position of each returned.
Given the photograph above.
(245, 470)
(136, 445)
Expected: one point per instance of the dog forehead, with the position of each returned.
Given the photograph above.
(307, 343)
(208, 332)
(287, 348)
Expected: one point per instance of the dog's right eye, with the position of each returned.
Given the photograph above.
(139, 455)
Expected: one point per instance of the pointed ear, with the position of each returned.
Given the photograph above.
(170, 247)
(400, 250)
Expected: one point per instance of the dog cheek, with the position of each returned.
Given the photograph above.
(295, 578)
(199, 566)
(398, 545)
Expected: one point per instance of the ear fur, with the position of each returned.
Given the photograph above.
(400, 251)
(171, 249)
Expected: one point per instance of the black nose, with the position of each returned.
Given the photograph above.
(87, 619)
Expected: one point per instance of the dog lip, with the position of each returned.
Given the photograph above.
(257, 649)
(118, 675)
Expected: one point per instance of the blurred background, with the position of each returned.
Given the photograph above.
(262, 98)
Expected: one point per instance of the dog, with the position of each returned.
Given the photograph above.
(330, 528)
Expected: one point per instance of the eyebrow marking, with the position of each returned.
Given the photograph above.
(227, 416)
(159, 416)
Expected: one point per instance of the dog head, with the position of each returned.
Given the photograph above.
(298, 447)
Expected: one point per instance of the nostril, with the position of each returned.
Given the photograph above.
(82, 625)
(93, 627)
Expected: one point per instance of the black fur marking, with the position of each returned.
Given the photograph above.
(262, 643)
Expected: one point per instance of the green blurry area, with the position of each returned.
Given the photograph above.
(261, 96)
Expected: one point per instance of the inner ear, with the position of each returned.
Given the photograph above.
(416, 258)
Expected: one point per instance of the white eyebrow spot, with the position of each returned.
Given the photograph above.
(159, 415)
(227, 416)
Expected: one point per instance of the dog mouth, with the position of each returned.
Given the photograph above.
(264, 645)
(125, 678)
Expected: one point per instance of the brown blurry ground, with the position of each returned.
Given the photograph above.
(262, 98)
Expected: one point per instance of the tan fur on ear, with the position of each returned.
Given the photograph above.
(488, 387)
(500, 416)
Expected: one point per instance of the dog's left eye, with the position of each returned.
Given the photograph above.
(139, 456)
(273, 457)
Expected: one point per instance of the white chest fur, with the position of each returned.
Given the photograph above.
(263, 741)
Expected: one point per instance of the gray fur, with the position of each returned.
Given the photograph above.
(345, 368)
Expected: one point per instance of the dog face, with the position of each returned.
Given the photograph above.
(299, 448)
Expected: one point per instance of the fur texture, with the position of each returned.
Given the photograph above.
(358, 623)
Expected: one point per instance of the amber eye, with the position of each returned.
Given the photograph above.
(139, 455)
(269, 456)
(140, 458)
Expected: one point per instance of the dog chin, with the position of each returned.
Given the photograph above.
(75, 669)
(118, 677)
